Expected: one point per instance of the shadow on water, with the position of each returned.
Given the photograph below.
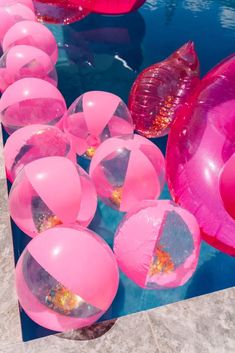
(97, 48)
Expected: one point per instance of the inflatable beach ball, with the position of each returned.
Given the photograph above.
(49, 192)
(126, 171)
(66, 278)
(157, 245)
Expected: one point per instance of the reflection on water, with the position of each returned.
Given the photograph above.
(151, 5)
(170, 8)
(226, 9)
(227, 17)
(197, 5)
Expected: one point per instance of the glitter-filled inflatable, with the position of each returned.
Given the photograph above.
(161, 89)
(68, 11)
(60, 288)
(51, 191)
(93, 118)
(126, 171)
(157, 244)
(60, 11)
(201, 141)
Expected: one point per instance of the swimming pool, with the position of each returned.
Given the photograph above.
(106, 53)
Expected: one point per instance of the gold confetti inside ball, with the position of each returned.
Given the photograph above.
(49, 192)
(126, 171)
(157, 245)
(61, 289)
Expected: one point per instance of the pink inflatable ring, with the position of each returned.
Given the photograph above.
(201, 141)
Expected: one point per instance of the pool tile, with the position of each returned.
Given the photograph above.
(203, 324)
(129, 334)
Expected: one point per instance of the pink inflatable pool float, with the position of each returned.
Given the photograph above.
(79, 8)
(157, 245)
(33, 34)
(94, 117)
(31, 101)
(13, 13)
(61, 289)
(126, 171)
(33, 142)
(24, 61)
(227, 186)
(200, 143)
(51, 191)
(161, 89)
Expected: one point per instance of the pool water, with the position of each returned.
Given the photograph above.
(107, 53)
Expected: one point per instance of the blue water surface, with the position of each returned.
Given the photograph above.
(107, 53)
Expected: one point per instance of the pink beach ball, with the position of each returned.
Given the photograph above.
(66, 278)
(13, 13)
(31, 101)
(33, 142)
(34, 34)
(126, 171)
(49, 192)
(93, 118)
(23, 61)
(157, 245)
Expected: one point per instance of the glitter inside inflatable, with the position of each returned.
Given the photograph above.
(94, 117)
(51, 191)
(60, 288)
(170, 243)
(60, 11)
(161, 89)
(126, 171)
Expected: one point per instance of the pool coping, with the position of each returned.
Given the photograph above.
(201, 324)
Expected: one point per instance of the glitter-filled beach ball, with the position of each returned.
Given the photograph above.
(31, 101)
(34, 34)
(66, 278)
(93, 118)
(33, 142)
(51, 191)
(126, 171)
(157, 245)
(24, 61)
(60, 11)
